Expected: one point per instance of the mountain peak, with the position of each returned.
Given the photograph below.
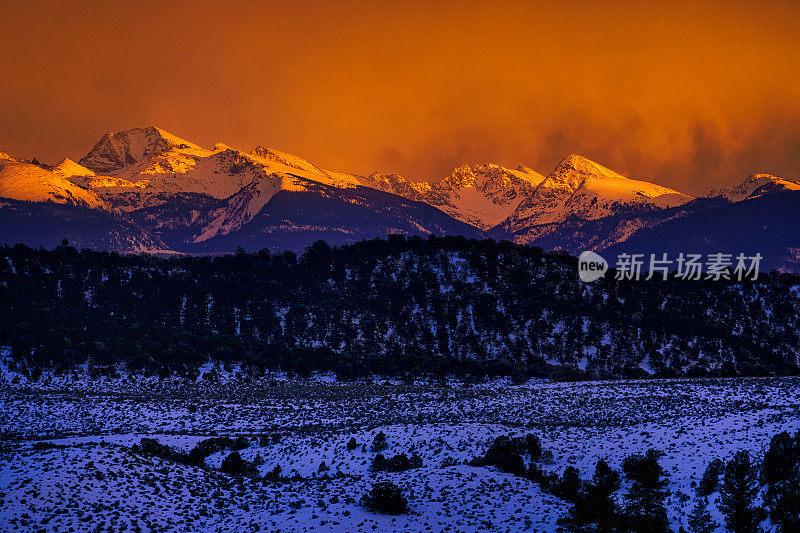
(220, 147)
(4, 156)
(579, 187)
(289, 160)
(169, 138)
(465, 176)
(28, 182)
(760, 178)
(117, 150)
(582, 165)
(755, 185)
(481, 194)
(397, 184)
(68, 168)
(484, 174)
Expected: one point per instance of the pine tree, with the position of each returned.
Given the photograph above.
(570, 484)
(737, 491)
(783, 501)
(781, 473)
(379, 443)
(710, 479)
(700, 520)
(645, 511)
(599, 499)
(594, 508)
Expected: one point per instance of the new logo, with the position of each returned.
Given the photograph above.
(591, 266)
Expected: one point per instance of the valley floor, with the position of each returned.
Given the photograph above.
(66, 462)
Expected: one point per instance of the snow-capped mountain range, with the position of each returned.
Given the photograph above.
(754, 186)
(480, 195)
(191, 198)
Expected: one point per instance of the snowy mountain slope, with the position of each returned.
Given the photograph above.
(483, 195)
(397, 184)
(4, 156)
(578, 234)
(288, 160)
(236, 211)
(187, 196)
(756, 185)
(140, 168)
(143, 167)
(294, 219)
(69, 168)
(47, 223)
(296, 167)
(264, 175)
(174, 220)
(480, 195)
(767, 225)
(585, 189)
(117, 151)
(31, 183)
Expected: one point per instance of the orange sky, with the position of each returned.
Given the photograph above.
(688, 95)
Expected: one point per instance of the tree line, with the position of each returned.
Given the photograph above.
(746, 489)
(387, 306)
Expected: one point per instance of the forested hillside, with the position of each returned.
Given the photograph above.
(396, 306)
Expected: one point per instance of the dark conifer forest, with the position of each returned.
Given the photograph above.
(400, 306)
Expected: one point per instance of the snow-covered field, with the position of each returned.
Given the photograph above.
(66, 462)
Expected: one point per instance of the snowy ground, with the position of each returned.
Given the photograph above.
(86, 477)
